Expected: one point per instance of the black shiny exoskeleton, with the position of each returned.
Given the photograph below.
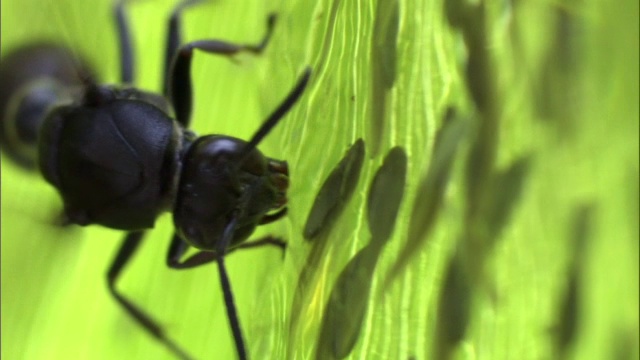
(119, 158)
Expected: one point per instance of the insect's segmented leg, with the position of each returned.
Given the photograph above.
(180, 91)
(265, 241)
(178, 248)
(124, 37)
(268, 219)
(174, 39)
(129, 245)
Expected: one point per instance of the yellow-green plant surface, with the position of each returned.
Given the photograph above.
(566, 80)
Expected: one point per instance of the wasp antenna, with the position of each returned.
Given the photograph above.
(277, 115)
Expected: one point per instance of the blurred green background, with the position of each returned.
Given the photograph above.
(567, 75)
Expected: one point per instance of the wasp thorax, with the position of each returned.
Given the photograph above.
(215, 186)
(123, 180)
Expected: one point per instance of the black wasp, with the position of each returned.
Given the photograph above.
(118, 158)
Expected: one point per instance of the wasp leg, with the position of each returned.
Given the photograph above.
(268, 240)
(268, 219)
(178, 248)
(180, 91)
(125, 253)
(124, 37)
(174, 39)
